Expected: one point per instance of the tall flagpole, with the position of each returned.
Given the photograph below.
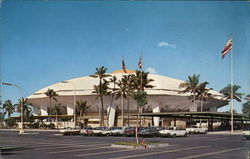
(232, 95)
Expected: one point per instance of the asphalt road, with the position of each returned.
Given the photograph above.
(47, 145)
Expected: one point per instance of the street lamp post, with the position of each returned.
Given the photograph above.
(74, 104)
(21, 92)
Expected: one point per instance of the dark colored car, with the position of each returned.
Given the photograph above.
(129, 131)
(149, 131)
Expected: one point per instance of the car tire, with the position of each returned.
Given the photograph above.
(185, 134)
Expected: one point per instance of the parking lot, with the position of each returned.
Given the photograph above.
(47, 145)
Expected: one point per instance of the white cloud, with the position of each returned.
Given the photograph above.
(166, 44)
(151, 70)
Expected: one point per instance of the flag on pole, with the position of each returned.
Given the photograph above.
(140, 63)
(227, 48)
(124, 66)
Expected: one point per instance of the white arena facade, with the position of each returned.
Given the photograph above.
(163, 97)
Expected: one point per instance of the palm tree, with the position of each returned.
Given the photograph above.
(81, 108)
(112, 80)
(226, 91)
(141, 99)
(141, 81)
(203, 93)
(8, 107)
(102, 88)
(122, 92)
(246, 106)
(22, 105)
(191, 85)
(56, 111)
(52, 95)
(128, 80)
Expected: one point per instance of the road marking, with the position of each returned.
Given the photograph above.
(209, 153)
(75, 150)
(220, 139)
(60, 147)
(54, 144)
(155, 153)
(106, 152)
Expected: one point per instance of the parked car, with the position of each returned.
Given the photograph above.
(71, 131)
(105, 131)
(149, 131)
(246, 133)
(129, 131)
(117, 131)
(97, 131)
(196, 130)
(87, 131)
(173, 132)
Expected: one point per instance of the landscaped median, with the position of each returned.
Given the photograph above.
(134, 145)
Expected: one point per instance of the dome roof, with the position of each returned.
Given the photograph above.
(163, 85)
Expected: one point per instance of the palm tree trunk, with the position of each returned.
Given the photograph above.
(56, 120)
(102, 115)
(201, 105)
(128, 110)
(136, 129)
(201, 109)
(122, 110)
(194, 101)
(50, 110)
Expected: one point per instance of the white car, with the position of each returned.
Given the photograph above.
(106, 132)
(173, 132)
(196, 130)
(71, 131)
(117, 130)
(246, 133)
(97, 131)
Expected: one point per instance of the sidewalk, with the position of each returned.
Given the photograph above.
(236, 132)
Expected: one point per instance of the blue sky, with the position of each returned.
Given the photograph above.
(45, 42)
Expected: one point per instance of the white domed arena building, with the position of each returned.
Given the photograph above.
(164, 97)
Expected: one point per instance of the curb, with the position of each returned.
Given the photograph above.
(139, 147)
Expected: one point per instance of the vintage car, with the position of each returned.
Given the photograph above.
(71, 131)
(196, 130)
(149, 131)
(172, 132)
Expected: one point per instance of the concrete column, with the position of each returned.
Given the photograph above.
(36, 110)
(193, 108)
(156, 119)
(70, 110)
(44, 111)
(111, 117)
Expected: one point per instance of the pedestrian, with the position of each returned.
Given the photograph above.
(143, 143)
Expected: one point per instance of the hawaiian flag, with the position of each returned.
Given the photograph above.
(124, 66)
(140, 63)
(227, 48)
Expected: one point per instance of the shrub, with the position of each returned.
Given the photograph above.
(51, 126)
(10, 122)
(43, 126)
(34, 125)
